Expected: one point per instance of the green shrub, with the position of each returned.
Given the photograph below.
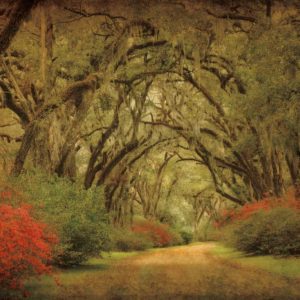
(144, 234)
(186, 236)
(126, 240)
(77, 215)
(176, 238)
(275, 232)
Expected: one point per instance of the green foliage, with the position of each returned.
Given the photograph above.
(275, 232)
(126, 240)
(256, 131)
(77, 215)
(186, 236)
(285, 266)
(206, 232)
(177, 238)
(144, 235)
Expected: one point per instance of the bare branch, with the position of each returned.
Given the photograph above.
(85, 135)
(11, 104)
(89, 14)
(188, 76)
(232, 16)
(162, 124)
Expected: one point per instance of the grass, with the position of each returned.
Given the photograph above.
(183, 272)
(46, 288)
(107, 257)
(285, 266)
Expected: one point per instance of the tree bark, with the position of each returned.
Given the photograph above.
(12, 13)
(46, 46)
(51, 136)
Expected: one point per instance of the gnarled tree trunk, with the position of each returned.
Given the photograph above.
(12, 13)
(51, 137)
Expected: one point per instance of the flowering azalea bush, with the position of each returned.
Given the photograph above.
(144, 234)
(246, 211)
(275, 232)
(269, 226)
(25, 248)
(160, 234)
(77, 215)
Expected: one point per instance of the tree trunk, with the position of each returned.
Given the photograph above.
(57, 126)
(51, 137)
(293, 162)
(12, 13)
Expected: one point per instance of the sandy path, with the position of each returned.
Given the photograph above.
(188, 272)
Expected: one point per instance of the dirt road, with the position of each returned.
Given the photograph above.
(189, 272)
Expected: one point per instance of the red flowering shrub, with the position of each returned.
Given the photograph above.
(144, 234)
(160, 234)
(25, 248)
(270, 226)
(246, 211)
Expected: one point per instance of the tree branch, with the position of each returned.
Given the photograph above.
(10, 138)
(188, 76)
(93, 131)
(88, 14)
(158, 123)
(11, 104)
(8, 125)
(128, 148)
(15, 12)
(232, 16)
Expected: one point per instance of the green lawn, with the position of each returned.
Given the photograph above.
(289, 266)
(46, 288)
(89, 277)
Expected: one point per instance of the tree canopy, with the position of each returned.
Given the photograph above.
(146, 98)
